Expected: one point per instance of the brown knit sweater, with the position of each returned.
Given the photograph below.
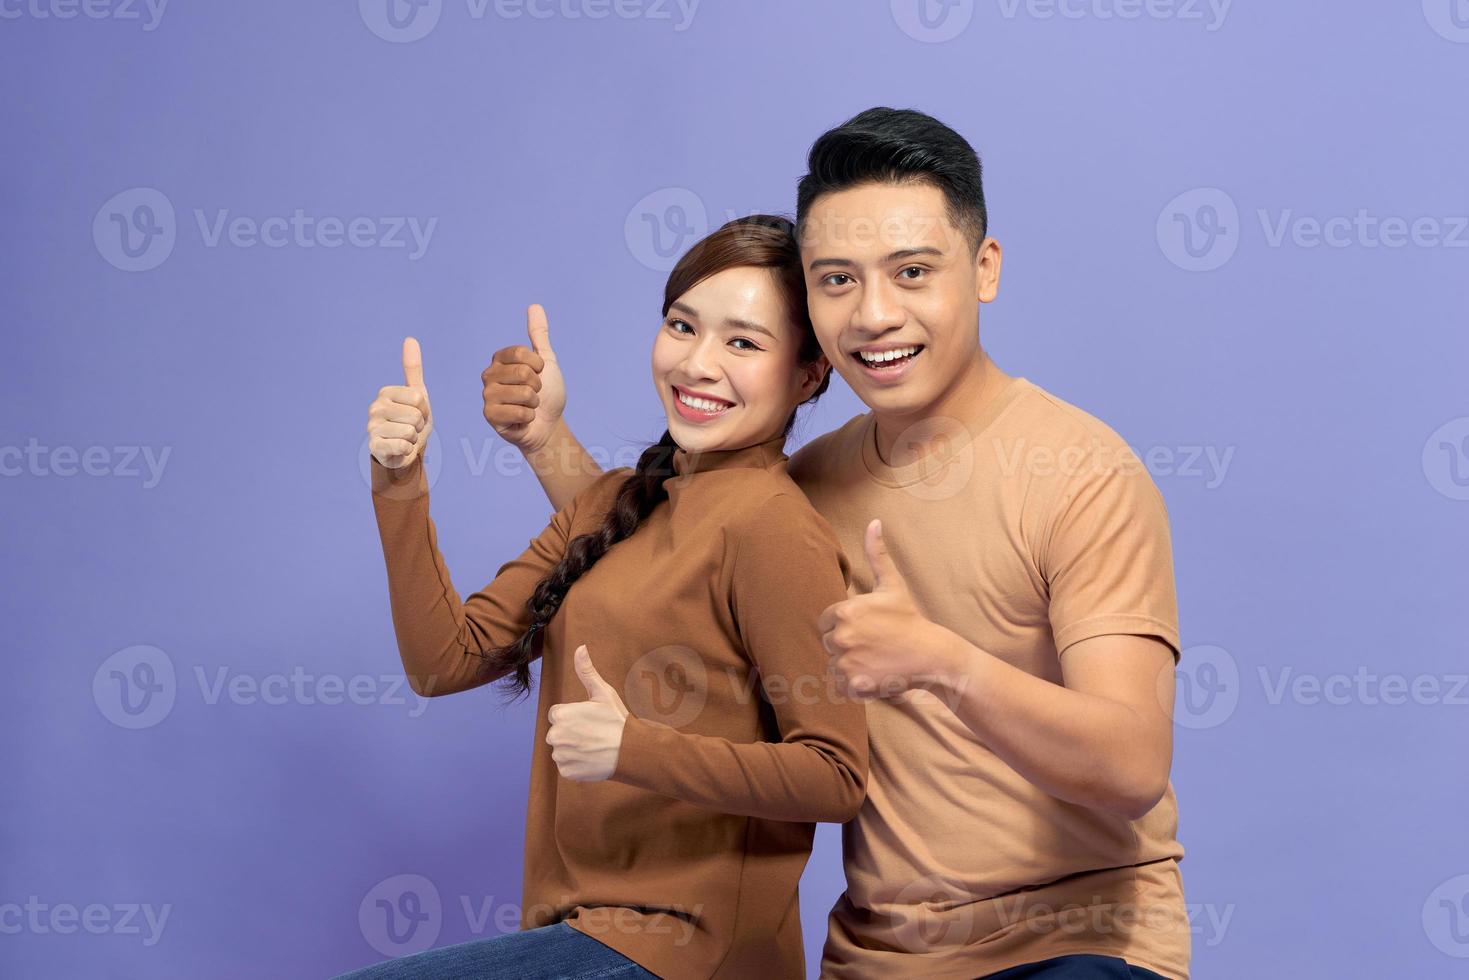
(688, 858)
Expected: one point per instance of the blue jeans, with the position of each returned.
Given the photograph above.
(555, 952)
(1078, 966)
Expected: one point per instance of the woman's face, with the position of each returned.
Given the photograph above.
(730, 347)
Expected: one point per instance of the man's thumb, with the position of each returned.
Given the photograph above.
(412, 363)
(597, 688)
(539, 330)
(884, 571)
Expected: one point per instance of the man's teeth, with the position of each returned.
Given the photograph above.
(887, 355)
(702, 404)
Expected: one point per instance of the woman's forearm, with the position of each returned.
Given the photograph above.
(808, 780)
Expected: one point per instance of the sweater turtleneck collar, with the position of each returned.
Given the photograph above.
(761, 455)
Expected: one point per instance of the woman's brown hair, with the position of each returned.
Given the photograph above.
(760, 240)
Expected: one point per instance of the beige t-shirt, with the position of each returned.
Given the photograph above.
(1029, 528)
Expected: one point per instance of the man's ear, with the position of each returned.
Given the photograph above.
(987, 270)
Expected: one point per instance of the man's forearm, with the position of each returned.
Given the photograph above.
(563, 466)
(1079, 747)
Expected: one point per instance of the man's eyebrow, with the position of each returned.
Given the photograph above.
(900, 254)
(729, 321)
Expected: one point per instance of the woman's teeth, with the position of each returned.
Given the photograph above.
(702, 404)
(878, 359)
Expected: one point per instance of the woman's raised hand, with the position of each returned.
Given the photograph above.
(524, 391)
(399, 419)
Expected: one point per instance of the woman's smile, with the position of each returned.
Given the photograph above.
(699, 407)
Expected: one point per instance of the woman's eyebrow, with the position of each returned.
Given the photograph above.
(750, 325)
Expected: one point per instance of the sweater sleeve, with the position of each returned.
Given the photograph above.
(787, 568)
(439, 637)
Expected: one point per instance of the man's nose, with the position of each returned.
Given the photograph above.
(879, 309)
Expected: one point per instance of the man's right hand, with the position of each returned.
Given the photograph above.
(524, 391)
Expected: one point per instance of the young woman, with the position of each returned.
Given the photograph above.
(687, 734)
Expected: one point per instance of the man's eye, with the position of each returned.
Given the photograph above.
(832, 280)
(917, 271)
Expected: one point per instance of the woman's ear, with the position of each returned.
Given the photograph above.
(812, 375)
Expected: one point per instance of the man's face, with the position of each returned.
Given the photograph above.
(894, 289)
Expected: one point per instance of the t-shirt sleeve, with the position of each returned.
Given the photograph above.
(1107, 555)
(787, 568)
(441, 639)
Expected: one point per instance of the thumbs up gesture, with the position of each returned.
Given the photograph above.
(524, 391)
(880, 643)
(586, 736)
(399, 420)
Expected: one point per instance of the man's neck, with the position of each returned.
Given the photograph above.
(964, 400)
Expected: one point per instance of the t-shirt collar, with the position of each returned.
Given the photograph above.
(954, 436)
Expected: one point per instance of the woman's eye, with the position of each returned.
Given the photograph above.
(742, 340)
(831, 280)
(674, 325)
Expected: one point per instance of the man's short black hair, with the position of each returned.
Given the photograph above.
(898, 146)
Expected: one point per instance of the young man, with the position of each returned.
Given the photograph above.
(1012, 621)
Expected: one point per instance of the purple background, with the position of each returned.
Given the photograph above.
(1323, 839)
